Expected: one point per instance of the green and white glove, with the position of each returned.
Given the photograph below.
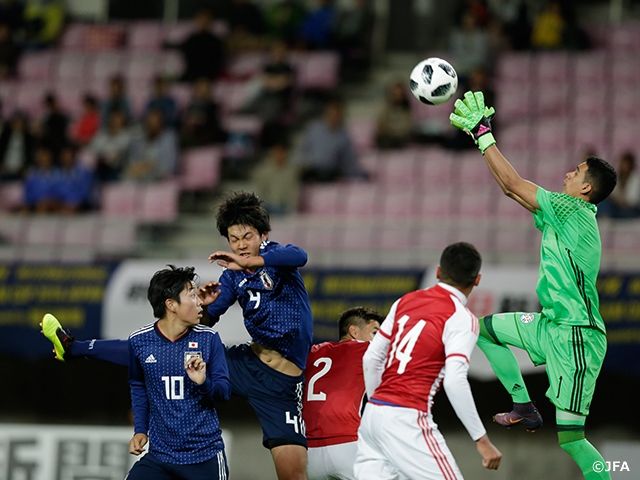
(474, 118)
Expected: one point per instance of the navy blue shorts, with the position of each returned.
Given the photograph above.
(150, 468)
(275, 397)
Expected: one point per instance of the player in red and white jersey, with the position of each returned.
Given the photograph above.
(335, 395)
(425, 342)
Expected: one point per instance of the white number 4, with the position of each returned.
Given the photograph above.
(293, 421)
(402, 350)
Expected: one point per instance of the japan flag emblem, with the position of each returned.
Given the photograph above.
(266, 280)
(193, 344)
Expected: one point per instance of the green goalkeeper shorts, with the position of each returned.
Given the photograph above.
(573, 356)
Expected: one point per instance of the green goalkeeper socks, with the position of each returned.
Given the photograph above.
(572, 441)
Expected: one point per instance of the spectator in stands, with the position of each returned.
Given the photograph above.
(75, 184)
(284, 19)
(44, 21)
(276, 85)
(548, 28)
(16, 148)
(200, 120)
(327, 153)
(54, 124)
(161, 100)
(40, 189)
(317, 30)
(154, 153)
(516, 25)
(469, 46)
(111, 147)
(204, 53)
(276, 180)
(354, 38)
(247, 25)
(12, 14)
(624, 201)
(394, 125)
(117, 100)
(9, 53)
(85, 127)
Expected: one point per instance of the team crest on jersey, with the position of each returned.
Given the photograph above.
(193, 344)
(266, 280)
(526, 317)
(189, 355)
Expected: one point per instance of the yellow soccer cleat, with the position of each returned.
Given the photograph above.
(54, 332)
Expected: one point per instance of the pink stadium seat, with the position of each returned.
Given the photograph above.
(316, 70)
(625, 138)
(476, 202)
(434, 236)
(434, 168)
(38, 254)
(507, 208)
(552, 99)
(322, 236)
(552, 135)
(590, 102)
(30, 96)
(246, 65)
(516, 137)
(249, 124)
(358, 236)
(437, 202)
(71, 67)
(103, 37)
(625, 238)
(171, 63)
(117, 236)
(514, 236)
(177, 32)
(145, 36)
(363, 132)
(626, 36)
(591, 68)
(470, 173)
(552, 67)
(159, 203)
(360, 199)
(480, 234)
(625, 70)
(514, 102)
(181, 92)
(369, 162)
(397, 167)
(120, 199)
(11, 195)
(322, 199)
(590, 134)
(7, 95)
(626, 103)
(76, 254)
(138, 92)
(9, 253)
(81, 231)
(515, 68)
(13, 228)
(201, 168)
(550, 169)
(105, 65)
(230, 95)
(141, 66)
(37, 66)
(74, 36)
(69, 98)
(397, 237)
(399, 202)
(44, 230)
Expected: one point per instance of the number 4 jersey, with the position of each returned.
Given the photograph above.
(177, 414)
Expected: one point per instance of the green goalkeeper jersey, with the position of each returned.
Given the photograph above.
(569, 260)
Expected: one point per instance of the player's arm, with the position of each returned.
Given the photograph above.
(285, 256)
(216, 385)
(223, 301)
(504, 188)
(139, 404)
(376, 355)
(512, 184)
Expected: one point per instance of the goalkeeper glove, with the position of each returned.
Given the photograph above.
(474, 118)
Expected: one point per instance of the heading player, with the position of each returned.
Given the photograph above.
(176, 411)
(263, 277)
(569, 334)
(334, 395)
(425, 342)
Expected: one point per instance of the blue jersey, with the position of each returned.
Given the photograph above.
(177, 414)
(274, 301)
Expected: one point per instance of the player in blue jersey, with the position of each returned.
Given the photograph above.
(262, 276)
(177, 370)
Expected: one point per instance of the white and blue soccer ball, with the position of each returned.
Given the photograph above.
(433, 81)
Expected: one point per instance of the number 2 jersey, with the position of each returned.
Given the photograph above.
(274, 301)
(334, 392)
(177, 414)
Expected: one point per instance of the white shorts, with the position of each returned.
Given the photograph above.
(332, 462)
(396, 442)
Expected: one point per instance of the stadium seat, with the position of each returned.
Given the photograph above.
(516, 136)
(625, 69)
(12, 228)
(436, 202)
(479, 234)
(552, 100)
(116, 237)
(248, 124)
(552, 68)
(7, 95)
(626, 103)
(243, 66)
(37, 254)
(120, 199)
(29, 97)
(514, 68)
(11, 196)
(399, 202)
(321, 235)
(71, 67)
(626, 36)
(507, 208)
(103, 37)
(181, 92)
(69, 98)
(81, 231)
(590, 69)
(200, 168)
(75, 254)
(434, 168)
(368, 161)
(434, 236)
(550, 169)
(397, 167)
(171, 64)
(358, 236)
(394, 237)
(141, 66)
(514, 102)
(105, 65)
(73, 36)
(144, 36)
(230, 95)
(316, 70)
(590, 134)
(37, 66)
(551, 135)
(475, 202)
(321, 199)
(514, 236)
(470, 172)
(159, 202)
(625, 138)
(360, 199)
(363, 133)
(44, 230)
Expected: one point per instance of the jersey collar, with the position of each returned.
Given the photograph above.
(461, 296)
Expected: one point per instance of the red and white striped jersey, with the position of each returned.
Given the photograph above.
(421, 331)
(334, 392)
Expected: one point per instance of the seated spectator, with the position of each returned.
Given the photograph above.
(16, 148)
(204, 53)
(41, 184)
(624, 201)
(354, 38)
(394, 126)
(75, 184)
(317, 30)
(469, 46)
(9, 53)
(276, 85)
(200, 120)
(154, 153)
(85, 127)
(548, 28)
(111, 147)
(117, 100)
(54, 124)
(161, 100)
(44, 20)
(276, 180)
(326, 152)
(284, 19)
(247, 27)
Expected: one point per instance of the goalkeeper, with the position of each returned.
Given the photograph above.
(569, 334)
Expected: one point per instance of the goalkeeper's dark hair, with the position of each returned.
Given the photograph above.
(358, 316)
(242, 208)
(460, 264)
(168, 283)
(602, 177)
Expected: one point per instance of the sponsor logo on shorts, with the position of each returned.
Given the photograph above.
(526, 317)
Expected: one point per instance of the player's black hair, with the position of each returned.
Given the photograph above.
(242, 208)
(602, 177)
(358, 316)
(168, 283)
(460, 264)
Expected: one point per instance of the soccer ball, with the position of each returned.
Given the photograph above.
(433, 81)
